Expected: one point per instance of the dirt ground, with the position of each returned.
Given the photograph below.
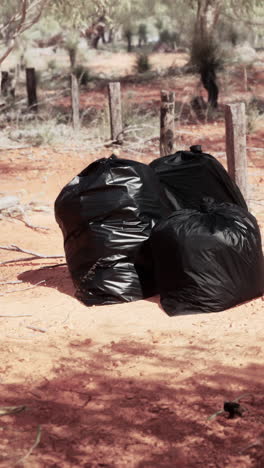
(122, 385)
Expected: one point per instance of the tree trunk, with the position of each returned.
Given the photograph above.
(32, 89)
(111, 35)
(72, 56)
(208, 77)
(4, 83)
(207, 15)
(95, 41)
(129, 44)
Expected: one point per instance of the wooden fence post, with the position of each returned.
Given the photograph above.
(114, 94)
(75, 102)
(32, 88)
(167, 122)
(236, 146)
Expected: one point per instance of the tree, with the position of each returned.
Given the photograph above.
(206, 54)
(18, 16)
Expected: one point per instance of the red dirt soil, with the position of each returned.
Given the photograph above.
(122, 385)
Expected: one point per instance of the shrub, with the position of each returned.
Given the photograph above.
(82, 74)
(207, 58)
(255, 114)
(142, 63)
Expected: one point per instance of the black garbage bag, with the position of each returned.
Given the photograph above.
(189, 176)
(106, 214)
(208, 260)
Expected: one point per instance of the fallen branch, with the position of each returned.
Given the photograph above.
(31, 226)
(52, 266)
(42, 330)
(23, 289)
(11, 282)
(15, 248)
(16, 260)
(37, 441)
(257, 443)
(11, 409)
(15, 316)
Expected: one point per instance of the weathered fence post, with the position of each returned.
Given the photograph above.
(4, 83)
(167, 122)
(32, 88)
(236, 146)
(114, 94)
(75, 102)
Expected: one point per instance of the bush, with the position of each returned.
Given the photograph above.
(255, 114)
(207, 58)
(82, 74)
(169, 38)
(206, 54)
(142, 63)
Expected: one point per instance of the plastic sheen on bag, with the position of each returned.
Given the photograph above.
(106, 215)
(189, 176)
(207, 260)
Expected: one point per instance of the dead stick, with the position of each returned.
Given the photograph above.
(42, 330)
(11, 282)
(15, 316)
(23, 289)
(11, 409)
(167, 110)
(37, 441)
(16, 260)
(52, 266)
(31, 226)
(15, 248)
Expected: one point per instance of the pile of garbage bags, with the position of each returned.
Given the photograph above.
(179, 227)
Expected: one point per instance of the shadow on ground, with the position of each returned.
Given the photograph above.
(92, 415)
(58, 278)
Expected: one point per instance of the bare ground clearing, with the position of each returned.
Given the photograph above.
(124, 385)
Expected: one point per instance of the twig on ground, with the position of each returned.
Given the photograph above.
(15, 248)
(22, 259)
(31, 226)
(15, 147)
(23, 289)
(52, 266)
(257, 443)
(11, 409)
(37, 441)
(42, 330)
(15, 316)
(11, 282)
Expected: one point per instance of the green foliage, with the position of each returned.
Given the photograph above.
(206, 54)
(255, 114)
(142, 30)
(82, 74)
(142, 63)
(52, 65)
(169, 38)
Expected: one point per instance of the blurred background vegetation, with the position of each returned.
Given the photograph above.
(60, 37)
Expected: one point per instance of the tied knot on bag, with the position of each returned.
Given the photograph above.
(207, 205)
